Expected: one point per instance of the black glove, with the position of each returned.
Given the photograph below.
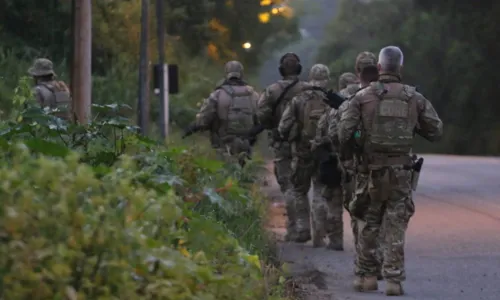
(333, 99)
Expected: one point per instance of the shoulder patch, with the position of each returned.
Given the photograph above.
(409, 90)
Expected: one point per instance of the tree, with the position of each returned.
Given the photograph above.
(449, 49)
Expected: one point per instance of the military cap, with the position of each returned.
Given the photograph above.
(319, 75)
(233, 69)
(347, 78)
(41, 67)
(365, 59)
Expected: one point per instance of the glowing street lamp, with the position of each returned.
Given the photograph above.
(247, 45)
(264, 17)
(275, 11)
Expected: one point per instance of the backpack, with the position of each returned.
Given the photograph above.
(240, 115)
(60, 99)
(313, 109)
(392, 130)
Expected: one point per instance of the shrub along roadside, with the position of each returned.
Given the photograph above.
(99, 212)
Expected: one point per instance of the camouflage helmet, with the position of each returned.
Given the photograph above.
(365, 59)
(233, 69)
(347, 78)
(41, 67)
(319, 75)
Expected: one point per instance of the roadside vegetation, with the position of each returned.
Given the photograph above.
(100, 212)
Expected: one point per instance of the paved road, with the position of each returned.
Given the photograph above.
(453, 243)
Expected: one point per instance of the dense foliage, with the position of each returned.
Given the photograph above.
(99, 212)
(450, 49)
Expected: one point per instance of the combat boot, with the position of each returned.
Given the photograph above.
(290, 235)
(379, 274)
(318, 240)
(302, 237)
(365, 284)
(335, 244)
(394, 289)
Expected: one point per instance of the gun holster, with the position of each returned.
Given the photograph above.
(329, 172)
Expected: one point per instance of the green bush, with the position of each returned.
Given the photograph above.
(66, 232)
(99, 212)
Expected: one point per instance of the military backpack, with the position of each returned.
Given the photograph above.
(240, 116)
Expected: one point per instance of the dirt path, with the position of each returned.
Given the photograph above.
(310, 281)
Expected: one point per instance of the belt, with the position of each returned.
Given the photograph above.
(378, 160)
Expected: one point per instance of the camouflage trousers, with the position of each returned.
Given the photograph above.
(387, 195)
(327, 211)
(349, 188)
(301, 176)
(283, 172)
(236, 151)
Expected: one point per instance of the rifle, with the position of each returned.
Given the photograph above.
(416, 168)
(257, 129)
(192, 128)
(332, 99)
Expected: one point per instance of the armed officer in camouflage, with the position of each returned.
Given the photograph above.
(326, 188)
(271, 106)
(298, 126)
(389, 113)
(347, 79)
(366, 70)
(48, 91)
(228, 113)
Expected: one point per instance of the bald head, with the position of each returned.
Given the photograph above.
(390, 59)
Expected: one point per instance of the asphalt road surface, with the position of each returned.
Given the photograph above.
(453, 242)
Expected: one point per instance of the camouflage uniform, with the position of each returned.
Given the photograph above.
(389, 113)
(327, 200)
(347, 79)
(49, 92)
(298, 125)
(269, 114)
(228, 113)
(347, 155)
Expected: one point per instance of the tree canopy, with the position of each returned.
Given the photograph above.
(214, 28)
(200, 37)
(450, 52)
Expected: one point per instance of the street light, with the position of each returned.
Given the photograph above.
(275, 11)
(247, 45)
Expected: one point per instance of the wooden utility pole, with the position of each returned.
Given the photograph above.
(142, 103)
(81, 84)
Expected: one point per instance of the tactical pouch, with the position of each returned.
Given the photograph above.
(329, 172)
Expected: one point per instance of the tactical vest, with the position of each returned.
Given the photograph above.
(314, 108)
(392, 126)
(287, 97)
(240, 114)
(58, 98)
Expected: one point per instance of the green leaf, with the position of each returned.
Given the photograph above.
(47, 148)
